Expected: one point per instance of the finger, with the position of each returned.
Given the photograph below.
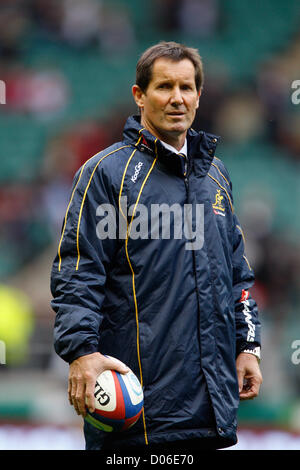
(250, 390)
(117, 365)
(247, 395)
(89, 395)
(70, 392)
(80, 397)
(240, 375)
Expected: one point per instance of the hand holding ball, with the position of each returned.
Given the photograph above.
(119, 401)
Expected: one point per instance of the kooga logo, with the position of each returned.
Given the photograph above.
(137, 171)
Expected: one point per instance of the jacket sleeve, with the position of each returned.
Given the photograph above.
(79, 270)
(246, 311)
(248, 327)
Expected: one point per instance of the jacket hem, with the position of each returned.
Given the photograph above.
(206, 436)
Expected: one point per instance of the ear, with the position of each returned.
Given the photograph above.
(199, 94)
(138, 95)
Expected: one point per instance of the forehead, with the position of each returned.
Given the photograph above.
(167, 69)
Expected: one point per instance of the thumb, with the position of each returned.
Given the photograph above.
(116, 364)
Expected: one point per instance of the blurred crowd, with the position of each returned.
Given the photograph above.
(31, 214)
(80, 24)
(196, 19)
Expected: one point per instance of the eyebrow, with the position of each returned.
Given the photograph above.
(170, 80)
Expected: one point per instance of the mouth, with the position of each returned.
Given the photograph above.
(176, 113)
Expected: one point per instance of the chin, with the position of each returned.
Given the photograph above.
(179, 128)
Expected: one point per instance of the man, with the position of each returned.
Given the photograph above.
(168, 296)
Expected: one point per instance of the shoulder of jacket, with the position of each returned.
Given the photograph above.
(106, 156)
(220, 171)
(106, 161)
(219, 174)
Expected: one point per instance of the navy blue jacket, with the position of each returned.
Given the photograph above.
(178, 317)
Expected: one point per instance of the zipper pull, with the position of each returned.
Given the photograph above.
(185, 167)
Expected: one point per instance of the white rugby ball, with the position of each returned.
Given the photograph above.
(119, 401)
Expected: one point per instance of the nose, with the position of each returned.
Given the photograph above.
(176, 97)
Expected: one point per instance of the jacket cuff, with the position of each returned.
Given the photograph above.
(83, 351)
(255, 351)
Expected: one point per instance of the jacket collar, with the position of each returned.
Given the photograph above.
(201, 148)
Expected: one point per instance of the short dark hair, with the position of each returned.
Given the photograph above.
(169, 50)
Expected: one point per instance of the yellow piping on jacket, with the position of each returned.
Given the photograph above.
(84, 196)
(125, 171)
(224, 189)
(216, 166)
(243, 237)
(133, 286)
(71, 199)
(65, 221)
(122, 182)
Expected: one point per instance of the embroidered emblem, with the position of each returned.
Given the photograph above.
(218, 206)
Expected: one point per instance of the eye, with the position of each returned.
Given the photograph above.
(186, 87)
(164, 86)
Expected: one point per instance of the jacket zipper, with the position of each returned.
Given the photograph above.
(186, 181)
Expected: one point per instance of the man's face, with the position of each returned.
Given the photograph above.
(169, 104)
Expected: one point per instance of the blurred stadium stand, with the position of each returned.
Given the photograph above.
(68, 72)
